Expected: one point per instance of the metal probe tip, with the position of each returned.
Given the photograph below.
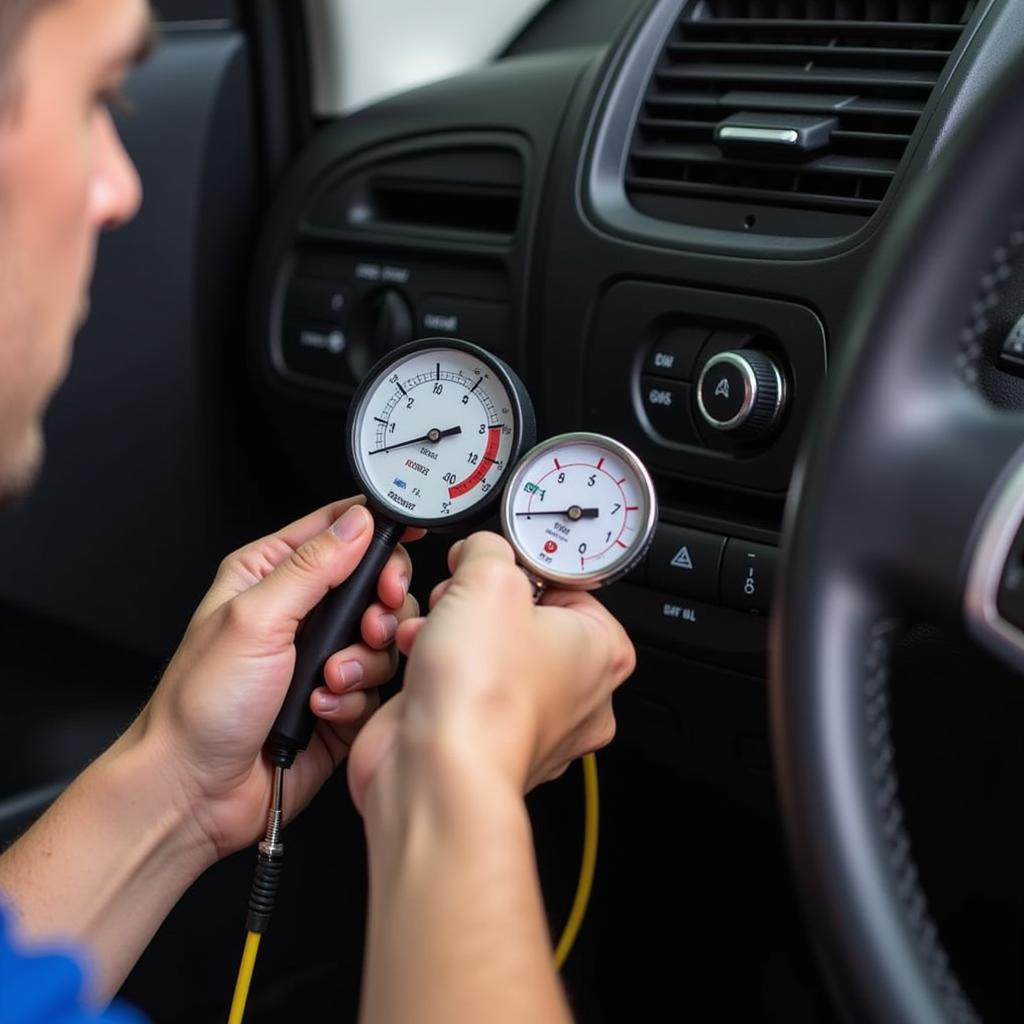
(271, 846)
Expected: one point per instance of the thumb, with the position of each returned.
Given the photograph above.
(296, 586)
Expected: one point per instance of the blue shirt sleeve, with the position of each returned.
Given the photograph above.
(46, 987)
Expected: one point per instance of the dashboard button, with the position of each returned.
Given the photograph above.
(381, 322)
(675, 353)
(742, 392)
(487, 324)
(316, 350)
(667, 406)
(310, 298)
(748, 575)
(683, 561)
(724, 393)
(690, 627)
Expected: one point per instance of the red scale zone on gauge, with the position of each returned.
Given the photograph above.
(486, 461)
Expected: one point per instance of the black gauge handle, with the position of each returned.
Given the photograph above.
(331, 627)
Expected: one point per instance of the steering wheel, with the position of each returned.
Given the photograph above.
(907, 503)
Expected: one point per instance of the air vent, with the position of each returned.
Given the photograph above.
(473, 192)
(821, 99)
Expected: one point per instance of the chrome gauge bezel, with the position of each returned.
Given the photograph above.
(598, 578)
(523, 429)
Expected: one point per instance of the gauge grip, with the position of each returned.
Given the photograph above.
(331, 626)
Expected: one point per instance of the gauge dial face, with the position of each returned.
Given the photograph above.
(433, 434)
(580, 511)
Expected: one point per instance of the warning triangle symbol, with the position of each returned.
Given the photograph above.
(682, 559)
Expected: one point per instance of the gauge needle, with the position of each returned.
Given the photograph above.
(433, 436)
(574, 512)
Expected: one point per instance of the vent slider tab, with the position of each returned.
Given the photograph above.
(794, 133)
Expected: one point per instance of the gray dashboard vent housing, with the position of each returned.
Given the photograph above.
(863, 68)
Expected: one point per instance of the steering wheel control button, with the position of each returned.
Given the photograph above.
(674, 355)
(741, 393)
(317, 351)
(309, 298)
(685, 562)
(748, 575)
(1013, 346)
(666, 404)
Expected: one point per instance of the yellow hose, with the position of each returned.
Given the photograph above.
(584, 886)
(587, 866)
(245, 969)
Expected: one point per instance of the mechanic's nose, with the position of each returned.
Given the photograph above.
(116, 188)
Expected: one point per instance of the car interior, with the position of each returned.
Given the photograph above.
(641, 206)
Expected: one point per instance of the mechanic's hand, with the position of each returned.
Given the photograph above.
(223, 689)
(494, 682)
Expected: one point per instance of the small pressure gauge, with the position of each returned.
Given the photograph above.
(580, 511)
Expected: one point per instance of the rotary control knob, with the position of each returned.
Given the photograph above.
(741, 393)
(380, 323)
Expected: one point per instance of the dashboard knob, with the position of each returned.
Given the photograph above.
(741, 393)
(379, 323)
(391, 321)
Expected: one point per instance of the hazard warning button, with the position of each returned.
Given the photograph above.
(685, 562)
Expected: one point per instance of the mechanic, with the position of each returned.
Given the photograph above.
(438, 773)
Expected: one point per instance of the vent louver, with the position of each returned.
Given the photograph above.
(865, 67)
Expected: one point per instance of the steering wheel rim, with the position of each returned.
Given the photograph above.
(878, 528)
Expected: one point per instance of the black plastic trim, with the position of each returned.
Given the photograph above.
(603, 193)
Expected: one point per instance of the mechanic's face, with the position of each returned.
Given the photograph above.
(64, 178)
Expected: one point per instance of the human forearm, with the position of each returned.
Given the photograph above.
(106, 863)
(457, 932)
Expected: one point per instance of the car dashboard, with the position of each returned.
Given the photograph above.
(663, 234)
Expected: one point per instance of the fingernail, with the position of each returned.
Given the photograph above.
(404, 582)
(328, 701)
(352, 524)
(388, 626)
(351, 672)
